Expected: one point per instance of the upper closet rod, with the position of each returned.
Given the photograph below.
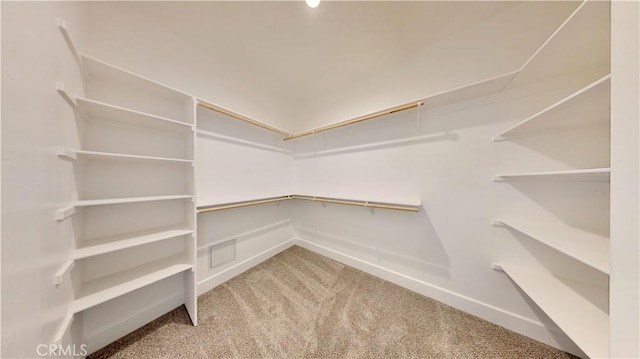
(356, 120)
(204, 209)
(398, 207)
(241, 118)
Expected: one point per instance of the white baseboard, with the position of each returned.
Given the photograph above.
(106, 335)
(511, 321)
(215, 280)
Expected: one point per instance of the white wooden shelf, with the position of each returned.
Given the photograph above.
(95, 155)
(146, 108)
(592, 174)
(586, 247)
(588, 105)
(70, 210)
(123, 241)
(579, 45)
(100, 290)
(578, 317)
(469, 91)
(108, 201)
(94, 109)
(104, 72)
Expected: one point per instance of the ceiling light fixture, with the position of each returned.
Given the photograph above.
(312, 3)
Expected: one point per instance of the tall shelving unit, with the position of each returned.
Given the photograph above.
(578, 49)
(134, 217)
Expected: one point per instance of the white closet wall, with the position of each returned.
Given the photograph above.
(236, 162)
(35, 183)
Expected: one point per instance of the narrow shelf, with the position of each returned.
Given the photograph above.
(586, 247)
(582, 321)
(351, 202)
(108, 201)
(123, 241)
(94, 155)
(580, 44)
(102, 71)
(591, 174)
(100, 110)
(100, 290)
(590, 104)
(469, 91)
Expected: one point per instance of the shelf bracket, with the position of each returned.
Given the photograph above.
(497, 267)
(62, 25)
(65, 154)
(418, 115)
(66, 267)
(65, 213)
(65, 95)
(64, 328)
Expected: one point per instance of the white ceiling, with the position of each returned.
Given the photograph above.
(293, 66)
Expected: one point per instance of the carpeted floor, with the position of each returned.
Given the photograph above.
(302, 305)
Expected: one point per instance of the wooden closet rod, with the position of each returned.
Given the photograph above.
(356, 120)
(241, 118)
(367, 204)
(231, 205)
(397, 207)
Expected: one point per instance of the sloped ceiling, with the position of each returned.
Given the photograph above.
(296, 67)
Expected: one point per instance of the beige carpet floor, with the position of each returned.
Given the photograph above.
(302, 305)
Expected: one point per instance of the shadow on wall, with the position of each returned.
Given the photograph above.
(554, 330)
(565, 200)
(569, 146)
(224, 125)
(399, 129)
(399, 241)
(430, 123)
(567, 269)
(241, 223)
